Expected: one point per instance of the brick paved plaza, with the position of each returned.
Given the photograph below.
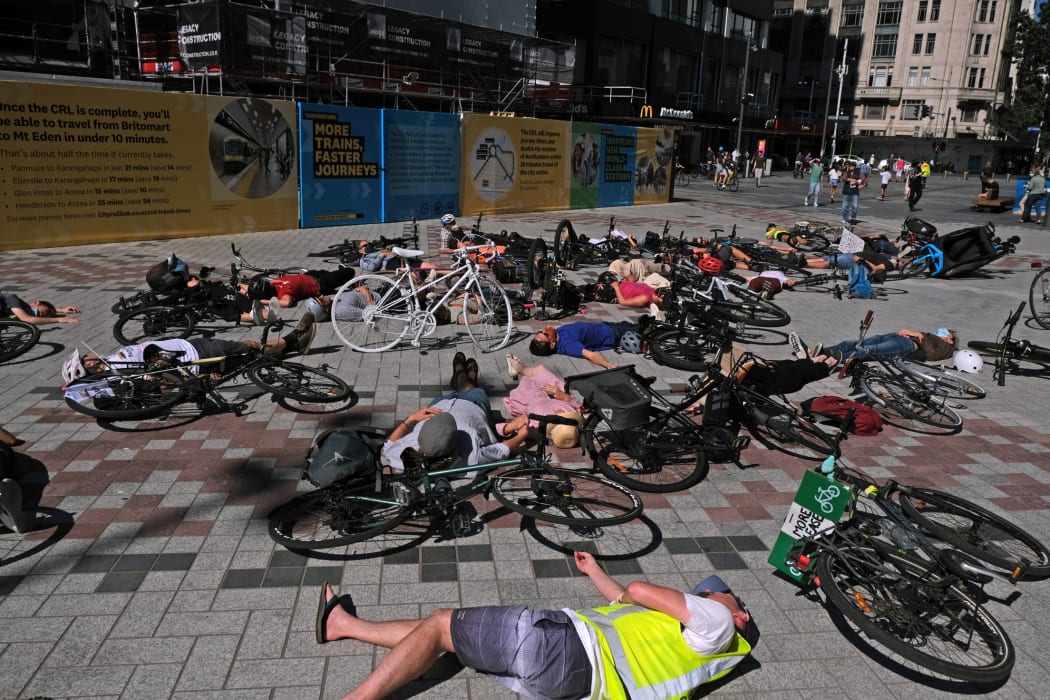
(150, 573)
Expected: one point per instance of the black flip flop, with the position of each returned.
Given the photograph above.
(324, 608)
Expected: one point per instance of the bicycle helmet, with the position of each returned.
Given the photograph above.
(631, 341)
(73, 368)
(967, 361)
(316, 308)
(260, 288)
(711, 265)
(447, 219)
(608, 277)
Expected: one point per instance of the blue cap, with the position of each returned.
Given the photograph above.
(943, 332)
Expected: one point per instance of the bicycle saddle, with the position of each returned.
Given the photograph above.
(406, 252)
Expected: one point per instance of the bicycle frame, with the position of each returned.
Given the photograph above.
(464, 267)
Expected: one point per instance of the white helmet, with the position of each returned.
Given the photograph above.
(631, 341)
(73, 368)
(967, 361)
(447, 219)
(316, 308)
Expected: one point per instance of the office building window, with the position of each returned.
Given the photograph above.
(880, 76)
(875, 111)
(852, 15)
(916, 43)
(986, 10)
(931, 43)
(924, 76)
(674, 72)
(620, 62)
(968, 115)
(911, 110)
(884, 46)
(889, 12)
(935, 10)
(913, 76)
(924, 6)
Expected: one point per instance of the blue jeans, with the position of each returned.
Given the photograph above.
(850, 203)
(840, 260)
(476, 396)
(814, 191)
(1033, 201)
(886, 345)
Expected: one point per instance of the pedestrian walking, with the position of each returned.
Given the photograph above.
(834, 175)
(815, 173)
(1036, 195)
(758, 166)
(884, 176)
(916, 184)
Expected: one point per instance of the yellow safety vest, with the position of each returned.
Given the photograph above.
(644, 657)
(776, 233)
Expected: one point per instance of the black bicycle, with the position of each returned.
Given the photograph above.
(572, 250)
(16, 337)
(350, 252)
(1039, 296)
(1012, 355)
(903, 567)
(140, 390)
(349, 512)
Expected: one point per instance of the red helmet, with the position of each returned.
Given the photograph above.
(710, 265)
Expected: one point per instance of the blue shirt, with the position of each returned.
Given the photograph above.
(574, 338)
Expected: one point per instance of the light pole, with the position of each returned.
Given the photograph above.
(744, 94)
(838, 105)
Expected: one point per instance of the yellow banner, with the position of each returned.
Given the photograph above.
(654, 166)
(89, 165)
(514, 165)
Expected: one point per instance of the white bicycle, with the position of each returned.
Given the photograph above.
(391, 309)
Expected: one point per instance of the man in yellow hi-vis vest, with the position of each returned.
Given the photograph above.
(649, 643)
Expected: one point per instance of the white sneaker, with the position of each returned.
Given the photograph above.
(258, 313)
(798, 348)
(805, 202)
(656, 312)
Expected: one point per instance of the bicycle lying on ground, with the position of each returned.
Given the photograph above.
(1013, 355)
(176, 313)
(137, 391)
(643, 440)
(16, 337)
(397, 308)
(1039, 296)
(731, 297)
(572, 250)
(349, 252)
(903, 566)
(912, 392)
(348, 512)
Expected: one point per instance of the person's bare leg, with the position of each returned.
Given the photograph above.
(410, 658)
(342, 625)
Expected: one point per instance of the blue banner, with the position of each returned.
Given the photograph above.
(421, 156)
(617, 174)
(341, 157)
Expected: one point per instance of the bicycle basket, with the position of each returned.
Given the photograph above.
(616, 395)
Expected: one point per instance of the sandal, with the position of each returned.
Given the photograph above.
(325, 606)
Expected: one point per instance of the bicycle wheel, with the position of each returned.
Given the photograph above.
(771, 418)
(682, 179)
(893, 599)
(16, 337)
(153, 323)
(744, 306)
(566, 497)
(337, 515)
(487, 316)
(910, 399)
(1039, 298)
(125, 397)
(384, 320)
(682, 349)
(810, 242)
(565, 248)
(912, 267)
(536, 266)
(298, 382)
(944, 383)
(733, 184)
(1034, 354)
(664, 455)
(976, 531)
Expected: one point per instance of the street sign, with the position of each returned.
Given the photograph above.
(1033, 128)
(838, 119)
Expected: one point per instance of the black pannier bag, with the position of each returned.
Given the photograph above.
(616, 395)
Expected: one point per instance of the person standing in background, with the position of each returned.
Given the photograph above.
(815, 173)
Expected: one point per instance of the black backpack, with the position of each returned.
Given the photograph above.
(343, 454)
(562, 295)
